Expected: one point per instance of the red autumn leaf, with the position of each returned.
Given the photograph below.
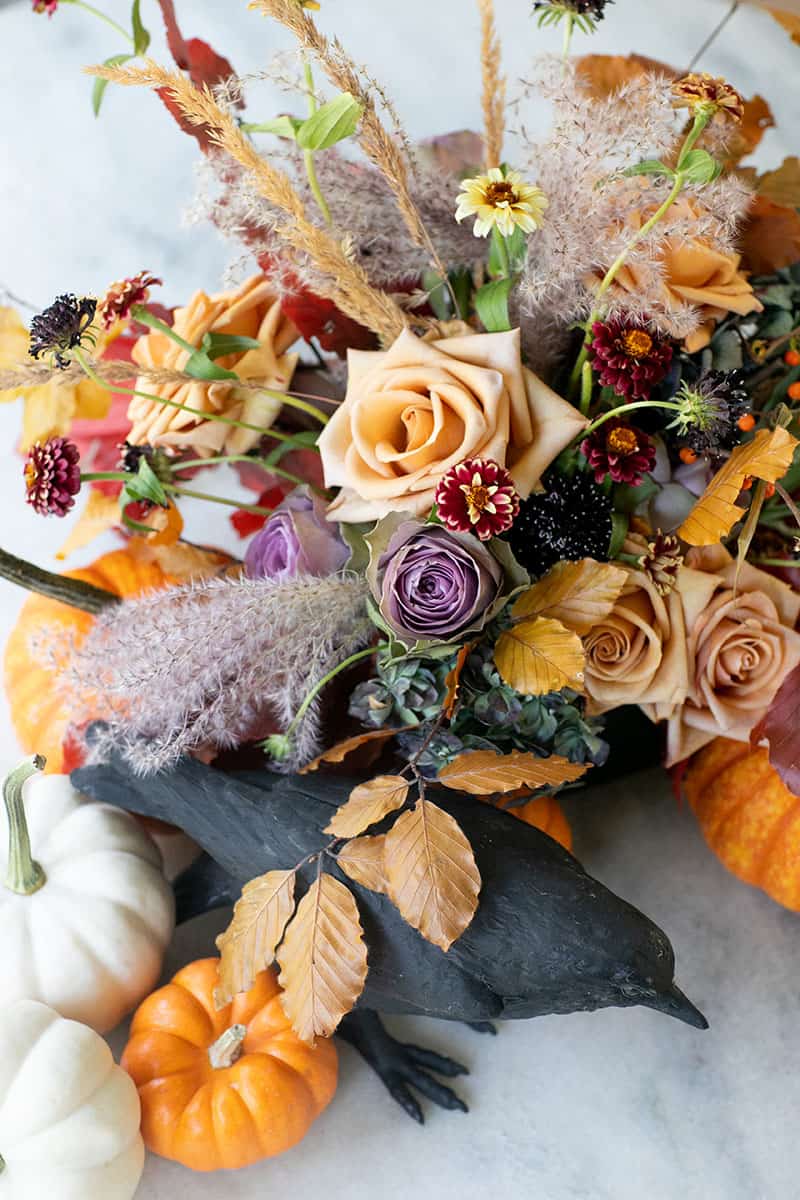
(781, 729)
(203, 63)
(246, 523)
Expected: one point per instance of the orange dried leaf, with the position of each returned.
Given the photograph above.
(604, 74)
(782, 185)
(767, 457)
(369, 803)
(323, 959)
(100, 513)
(362, 861)
(339, 752)
(538, 655)
(484, 773)
(431, 873)
(249, 943)
(770, 236)
(453, 678)
(578, 594)
(746, 136)
(789, 22)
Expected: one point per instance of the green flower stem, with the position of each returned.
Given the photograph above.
(81, 358)
(775, 562)
(626, 408)
(569, 26)
(96, 12)
(24, 876)
(308, 155)
(322, 683)
(586, 387)
(503, 254)
(145, 317)
(96, 476)
(193, 495)
(248, 458)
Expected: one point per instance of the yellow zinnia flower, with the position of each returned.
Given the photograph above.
(502, 201)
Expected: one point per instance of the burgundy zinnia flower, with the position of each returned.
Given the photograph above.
(628, 358)
(121, 296)
(478, 496)
(45, 6)
(619, 450)
(52, 476)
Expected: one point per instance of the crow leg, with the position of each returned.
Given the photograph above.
(402, 1066)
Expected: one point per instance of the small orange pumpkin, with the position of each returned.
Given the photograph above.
(39, 712)
(748, 816)
(228, 1088)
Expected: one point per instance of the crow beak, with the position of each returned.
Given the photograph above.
(673, 1003)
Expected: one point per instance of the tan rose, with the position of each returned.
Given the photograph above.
(691, 271)
(419, 408)
(637, 654)
(250, 310)
(741, 645)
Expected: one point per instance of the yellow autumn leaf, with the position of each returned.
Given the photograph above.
(368, 803)
(100, 513)
(578, 594)
(343, 749)
(323, 959)
(767, 457)
(484, 773)
(539, 655)
(362, 861)
(431, 873)
(248, 944)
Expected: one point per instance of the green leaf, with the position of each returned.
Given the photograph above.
(331, 123)
(699, 167)
(515, 245)
(491, 304)
(145, 485)
(217, 345)
(100, 85)
(628, 498)
(284, 126)
(141, 38)
(438, 295)
(305, 439)
(200, 366)
(136, 526)
(619, 531)
(650, 166)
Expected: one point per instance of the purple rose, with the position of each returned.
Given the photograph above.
(433, 584)
(296, 540)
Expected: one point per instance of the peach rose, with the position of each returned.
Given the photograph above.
(421, 407)
(637, 654)
(693, 271)
(250, 310)
(741, 645)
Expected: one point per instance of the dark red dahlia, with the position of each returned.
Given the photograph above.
(121, 296)
(619, 450)
(628, 358)
(45, 6)
(478, 496)
(52, 476)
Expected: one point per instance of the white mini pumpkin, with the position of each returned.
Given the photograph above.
(69, 1116)
(86, 914)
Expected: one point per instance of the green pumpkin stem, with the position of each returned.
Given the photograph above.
(75, 592)
(228, 1047)
(24, 875)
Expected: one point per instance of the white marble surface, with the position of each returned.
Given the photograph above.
(609, 1106)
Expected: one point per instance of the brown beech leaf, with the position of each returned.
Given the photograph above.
(369, 803)
(339, 752)
(431, 873)
(249, 943)
(323, 959)
(453, 678)
(603, 74)
(790, 22)
(767, 457)
(770, 236)
(781, 729)
(483, 773)
(782, 185)
(578, 594)
(538, 655)
(362, 860)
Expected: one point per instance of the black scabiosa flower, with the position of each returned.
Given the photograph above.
(714, 413)
(61, 327)
(570, 519)
(590, 10)
(52, 476)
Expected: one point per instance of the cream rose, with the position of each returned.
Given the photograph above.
(250, 310)
(741, 645)
(419, 408)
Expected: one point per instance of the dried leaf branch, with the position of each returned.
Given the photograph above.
(343, 282)
(493, 98)
(384, 151)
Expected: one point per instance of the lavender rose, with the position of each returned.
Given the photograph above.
(433, 584)
(296, 540)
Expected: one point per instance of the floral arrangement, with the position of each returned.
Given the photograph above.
(522, 442)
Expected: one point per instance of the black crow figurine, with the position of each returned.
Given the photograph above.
(546, 938)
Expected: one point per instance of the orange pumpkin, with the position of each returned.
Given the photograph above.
(228, 1088)
(39, 712)
(545, 813)
(748, 816)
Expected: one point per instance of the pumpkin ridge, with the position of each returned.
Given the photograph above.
(723, 785)
(783, 823)
(224, 1090)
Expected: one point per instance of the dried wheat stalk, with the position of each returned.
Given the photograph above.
(493, 98)
(345, 283)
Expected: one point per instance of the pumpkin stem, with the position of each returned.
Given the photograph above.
(75, 592)
(228, 1047)
(24, 876)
